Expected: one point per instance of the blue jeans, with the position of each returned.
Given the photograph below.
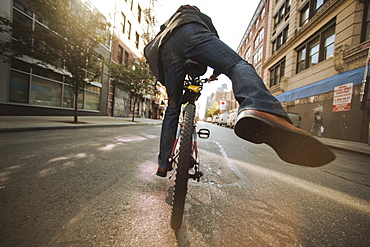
(199, 44)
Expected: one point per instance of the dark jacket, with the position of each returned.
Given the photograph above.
(151, 50)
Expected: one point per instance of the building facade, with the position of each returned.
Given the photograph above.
(28, 88)
(134, 23)
(316, 55)
(252, 48)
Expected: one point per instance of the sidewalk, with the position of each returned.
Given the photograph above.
(27, 123)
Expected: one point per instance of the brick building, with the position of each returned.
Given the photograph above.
(313, 49)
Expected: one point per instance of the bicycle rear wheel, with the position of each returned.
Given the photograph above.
(183, 165)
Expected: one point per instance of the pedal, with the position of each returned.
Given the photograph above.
(204, 133)
(196, 176)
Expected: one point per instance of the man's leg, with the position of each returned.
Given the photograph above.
(249, 89)
(174, 79)
(261, 117)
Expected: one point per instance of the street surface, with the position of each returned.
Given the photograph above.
(96, 187)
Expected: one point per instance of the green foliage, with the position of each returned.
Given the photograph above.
(68, 38)
(214, 110)
(135, 77)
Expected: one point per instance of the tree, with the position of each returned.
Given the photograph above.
(68, 40)
(133, 77)
(214, 110)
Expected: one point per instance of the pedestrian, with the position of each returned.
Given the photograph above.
(317, 125)
(190, 34)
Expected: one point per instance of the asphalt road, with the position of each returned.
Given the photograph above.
(96, 187)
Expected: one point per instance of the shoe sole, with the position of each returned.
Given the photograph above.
(161, 174)
(290, 145)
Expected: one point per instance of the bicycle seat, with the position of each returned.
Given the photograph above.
(194, 69)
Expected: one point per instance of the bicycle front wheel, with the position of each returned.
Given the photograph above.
(183, 165)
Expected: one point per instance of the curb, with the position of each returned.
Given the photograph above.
(77, 126)
(346, 150)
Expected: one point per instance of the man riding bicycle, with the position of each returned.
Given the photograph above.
(190, 34)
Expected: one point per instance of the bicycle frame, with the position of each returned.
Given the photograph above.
(192, 88)
(195, 145)
(184, 154)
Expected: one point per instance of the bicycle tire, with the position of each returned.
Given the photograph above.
(182, 173)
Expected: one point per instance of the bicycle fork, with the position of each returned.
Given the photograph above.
(194, 158)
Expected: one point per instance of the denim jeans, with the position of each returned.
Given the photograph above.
(199, 44)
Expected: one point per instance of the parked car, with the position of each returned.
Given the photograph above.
(209, 120)
(223, 119)
(215, 119)
(231, 120)
(296, 119)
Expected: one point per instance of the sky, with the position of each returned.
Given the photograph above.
(231, 18)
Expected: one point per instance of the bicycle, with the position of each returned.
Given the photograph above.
(184, 155)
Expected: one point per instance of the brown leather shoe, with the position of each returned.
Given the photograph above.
(292, 144)
(162, 172)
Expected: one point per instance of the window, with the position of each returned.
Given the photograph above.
(20, 65)
(280, 40)
(21, 23)
(287, 5)
(366, 22)
(127, 55)
(45, 92)
(313, 52)
(257, 56)
(120, 54)
(39, 86)
(259, 38)
(318, 4)
(311, 8)
(304, 15)
(18, 88)
(248, 54)
(317, 49)
(282, 13)
(68, 97)
(329, 38)
(130, 4)
(92, 98)
(123, 23)
(137, 40)
(277, 72)
(301, 60)
(139, 14)
(37, 70)
(128, 30)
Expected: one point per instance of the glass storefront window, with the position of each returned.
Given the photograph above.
(68, 97)
(35, 84)
(19, 86)
(44, 92)
(81, 100)
(92, 101)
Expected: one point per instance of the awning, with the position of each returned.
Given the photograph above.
(327, 85)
